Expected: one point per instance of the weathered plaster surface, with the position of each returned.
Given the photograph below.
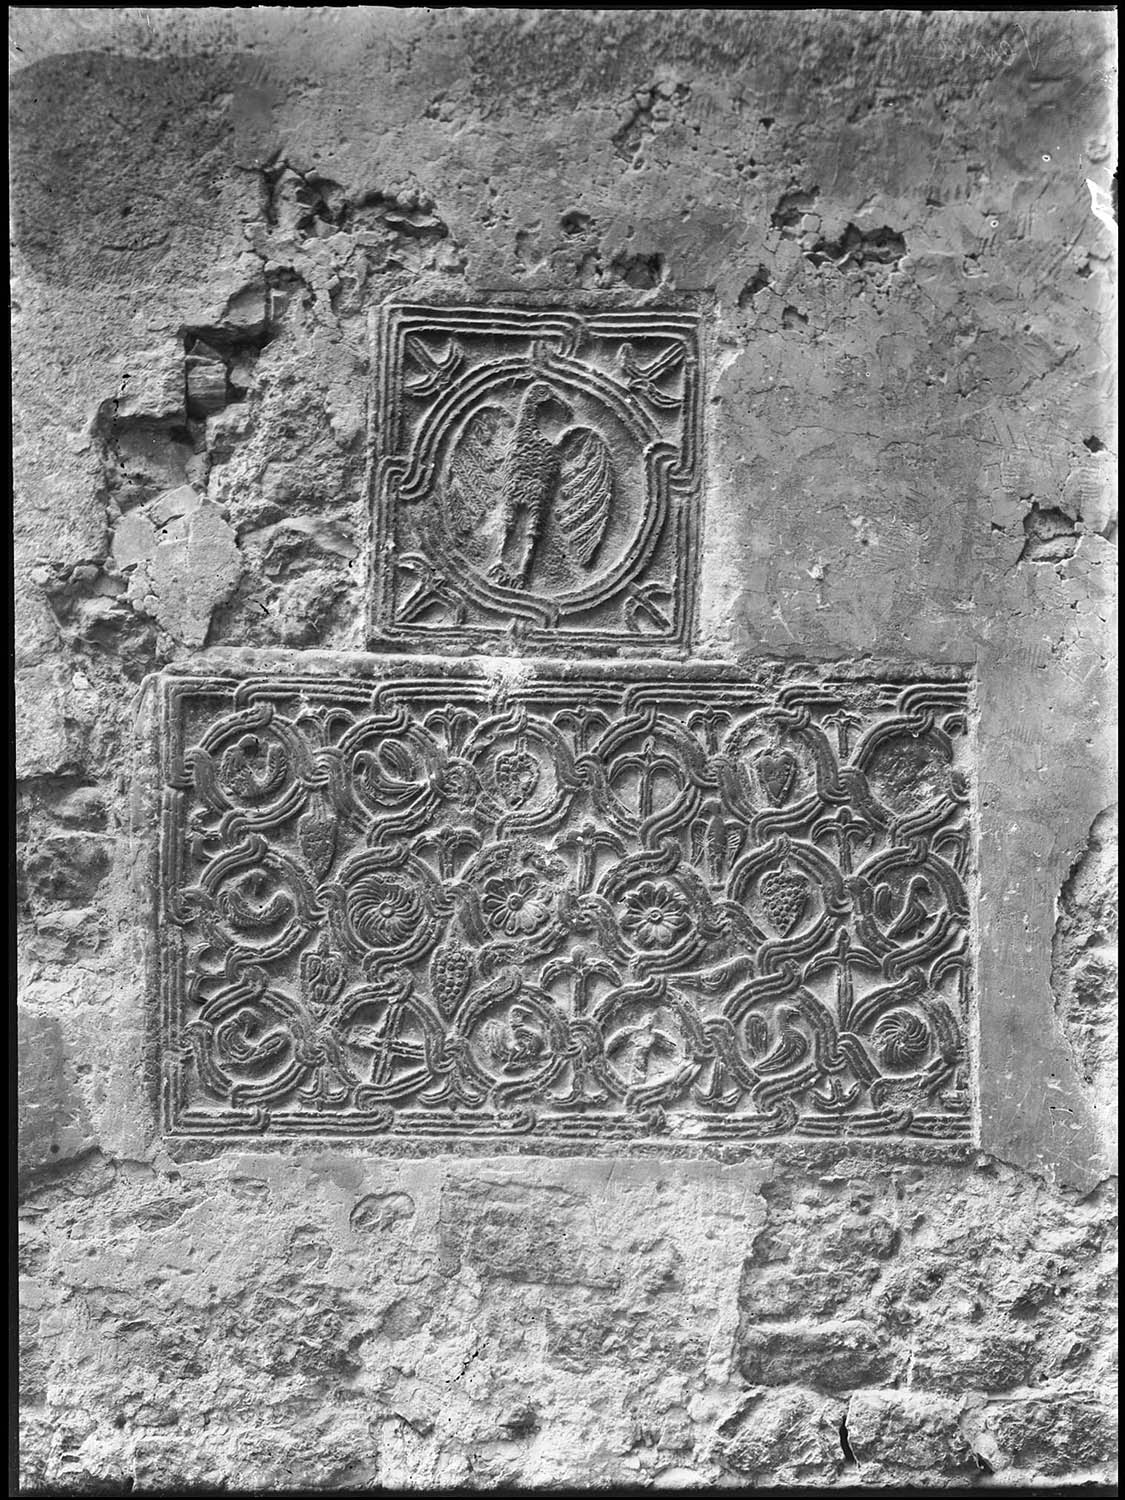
(902, 218)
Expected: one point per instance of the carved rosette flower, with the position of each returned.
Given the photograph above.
(655, 915)
(515, 905)
(902, 1039)
(383, 910)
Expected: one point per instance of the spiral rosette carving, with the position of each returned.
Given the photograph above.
(902, 1040)
(566, 910)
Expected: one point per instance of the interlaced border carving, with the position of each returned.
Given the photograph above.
(537, 477)
(446, 906)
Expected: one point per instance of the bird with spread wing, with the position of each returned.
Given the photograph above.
(526, 470)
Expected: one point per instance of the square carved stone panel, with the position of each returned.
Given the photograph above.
(537, 477)
(567, 909)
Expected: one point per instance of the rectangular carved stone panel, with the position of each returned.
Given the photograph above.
(556, 907)
(537, 476)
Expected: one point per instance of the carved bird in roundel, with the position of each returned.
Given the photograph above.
(526, 470)
(516, 1044)
(912, 915)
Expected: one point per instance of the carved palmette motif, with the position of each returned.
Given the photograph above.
(536, 476)
(566, 907)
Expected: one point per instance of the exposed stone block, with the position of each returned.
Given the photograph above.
(1072, 1434)
(43, 746)
(54, 1124)
(916, 1432)
(834, 1356)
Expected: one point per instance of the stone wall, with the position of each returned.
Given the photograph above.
(895, 231)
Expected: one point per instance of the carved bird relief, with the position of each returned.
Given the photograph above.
(516, 1044)
(912, 916)
(529, 469)
(792, 1045)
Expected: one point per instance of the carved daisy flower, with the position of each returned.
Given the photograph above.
(655, 915)
(514, 904)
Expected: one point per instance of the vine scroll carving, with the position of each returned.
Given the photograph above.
(693, 906)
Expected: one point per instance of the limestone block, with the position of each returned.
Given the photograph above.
(152, 385)
(907, 1431)
(54, 1125)
(42, 745)
(181, 560)
(832, 1356)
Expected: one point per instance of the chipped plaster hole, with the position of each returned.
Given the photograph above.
(219, 360)
(792, 208)
(759, 282)
(640, 271)
(1051, 535)
(860, 248)
(522, 1422)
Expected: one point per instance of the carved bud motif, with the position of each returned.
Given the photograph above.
(323, 974)
(778, 771)
(757, 1035)
(316, 833)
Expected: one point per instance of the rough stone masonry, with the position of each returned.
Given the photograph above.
(566, 897)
